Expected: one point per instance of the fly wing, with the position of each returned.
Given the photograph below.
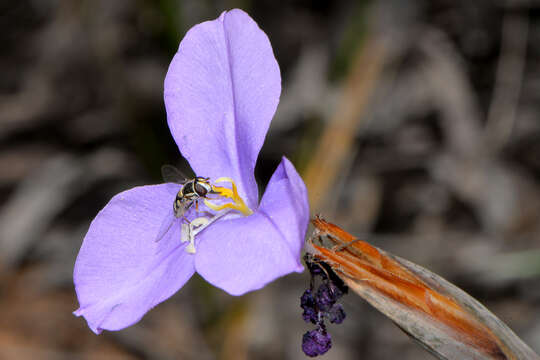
(172, 174)
(166, 224)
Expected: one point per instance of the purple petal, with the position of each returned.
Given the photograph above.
(121, 272)
(221, 91)
(244, 254)
(285, 201)
(166, 223)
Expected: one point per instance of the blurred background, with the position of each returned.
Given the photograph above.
(415, 125)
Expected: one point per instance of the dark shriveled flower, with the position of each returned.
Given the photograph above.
(307, 302)
(336, 314)
(316, 342)
(319, 305)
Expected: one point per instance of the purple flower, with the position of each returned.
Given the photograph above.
(221, 92)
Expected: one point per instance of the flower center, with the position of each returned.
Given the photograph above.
(192, 228)
(237, 204)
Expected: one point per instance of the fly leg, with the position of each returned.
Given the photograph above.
(204, 213)
(186, 208)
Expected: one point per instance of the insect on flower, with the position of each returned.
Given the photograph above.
(190, 192)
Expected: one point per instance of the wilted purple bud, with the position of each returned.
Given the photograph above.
(336, 314)
(325, 298)
(320, 305)
(316, 342)
(307, 302)
(327, 295)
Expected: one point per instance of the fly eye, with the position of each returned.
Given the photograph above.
(200, 189)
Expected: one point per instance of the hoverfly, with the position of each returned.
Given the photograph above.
(191, 191)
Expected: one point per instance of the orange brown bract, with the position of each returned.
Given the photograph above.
(361, 265)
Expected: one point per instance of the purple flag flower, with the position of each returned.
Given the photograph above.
(221, 92)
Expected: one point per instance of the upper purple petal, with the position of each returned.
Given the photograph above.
(244, 254)
(121, 272)
(221, 91)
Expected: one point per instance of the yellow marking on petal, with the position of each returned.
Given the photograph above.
(237, 204)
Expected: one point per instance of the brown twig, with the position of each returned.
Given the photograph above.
(334, 147)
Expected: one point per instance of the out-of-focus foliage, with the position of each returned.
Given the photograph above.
(426, 111)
